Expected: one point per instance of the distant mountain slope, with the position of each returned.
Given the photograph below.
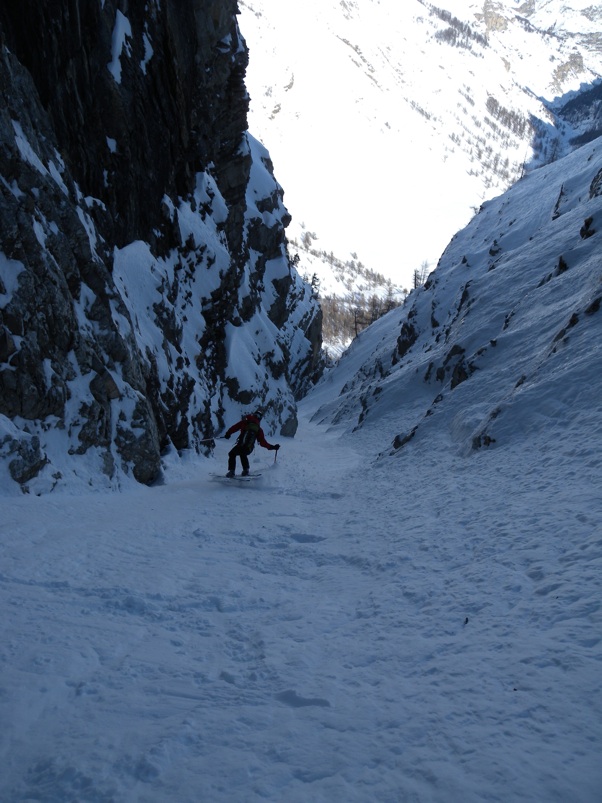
(389, 123)
(503, 340)
(350, 295)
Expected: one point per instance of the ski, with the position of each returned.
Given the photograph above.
(236, 479)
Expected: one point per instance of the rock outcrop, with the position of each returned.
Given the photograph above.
(145, 287)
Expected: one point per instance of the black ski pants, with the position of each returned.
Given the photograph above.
(238, 451)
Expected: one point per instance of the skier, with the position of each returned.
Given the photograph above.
(250, 431)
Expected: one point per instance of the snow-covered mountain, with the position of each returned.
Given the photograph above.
(502, 343)
(404, 607)
(389, 123)
(146, 290)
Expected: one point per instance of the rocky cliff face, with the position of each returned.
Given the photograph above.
(145, 290)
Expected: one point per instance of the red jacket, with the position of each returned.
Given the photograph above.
(242, 426)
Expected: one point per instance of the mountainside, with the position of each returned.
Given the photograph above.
(404, 608)
(390, 123)
(145, 291)
(351, 296)
(405, 605)
(503, 340)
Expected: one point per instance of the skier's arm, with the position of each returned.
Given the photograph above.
(234, 428)
(264, 443)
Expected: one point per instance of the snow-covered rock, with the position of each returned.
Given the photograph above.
(503, 340)
(146, 295)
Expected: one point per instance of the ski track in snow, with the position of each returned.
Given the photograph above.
(339, 631)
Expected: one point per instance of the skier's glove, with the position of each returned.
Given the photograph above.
(227, 436)
(275, 447)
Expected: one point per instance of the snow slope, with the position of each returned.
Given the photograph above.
(428, 632)
(503, 341)
(380, 116)
(380, 617)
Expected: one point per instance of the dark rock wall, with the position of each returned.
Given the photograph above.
(170, 114)
(142, 245)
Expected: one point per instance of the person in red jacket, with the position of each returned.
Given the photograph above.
(250, 431)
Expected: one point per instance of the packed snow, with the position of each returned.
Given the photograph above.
(362, 623)
(427, 630)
